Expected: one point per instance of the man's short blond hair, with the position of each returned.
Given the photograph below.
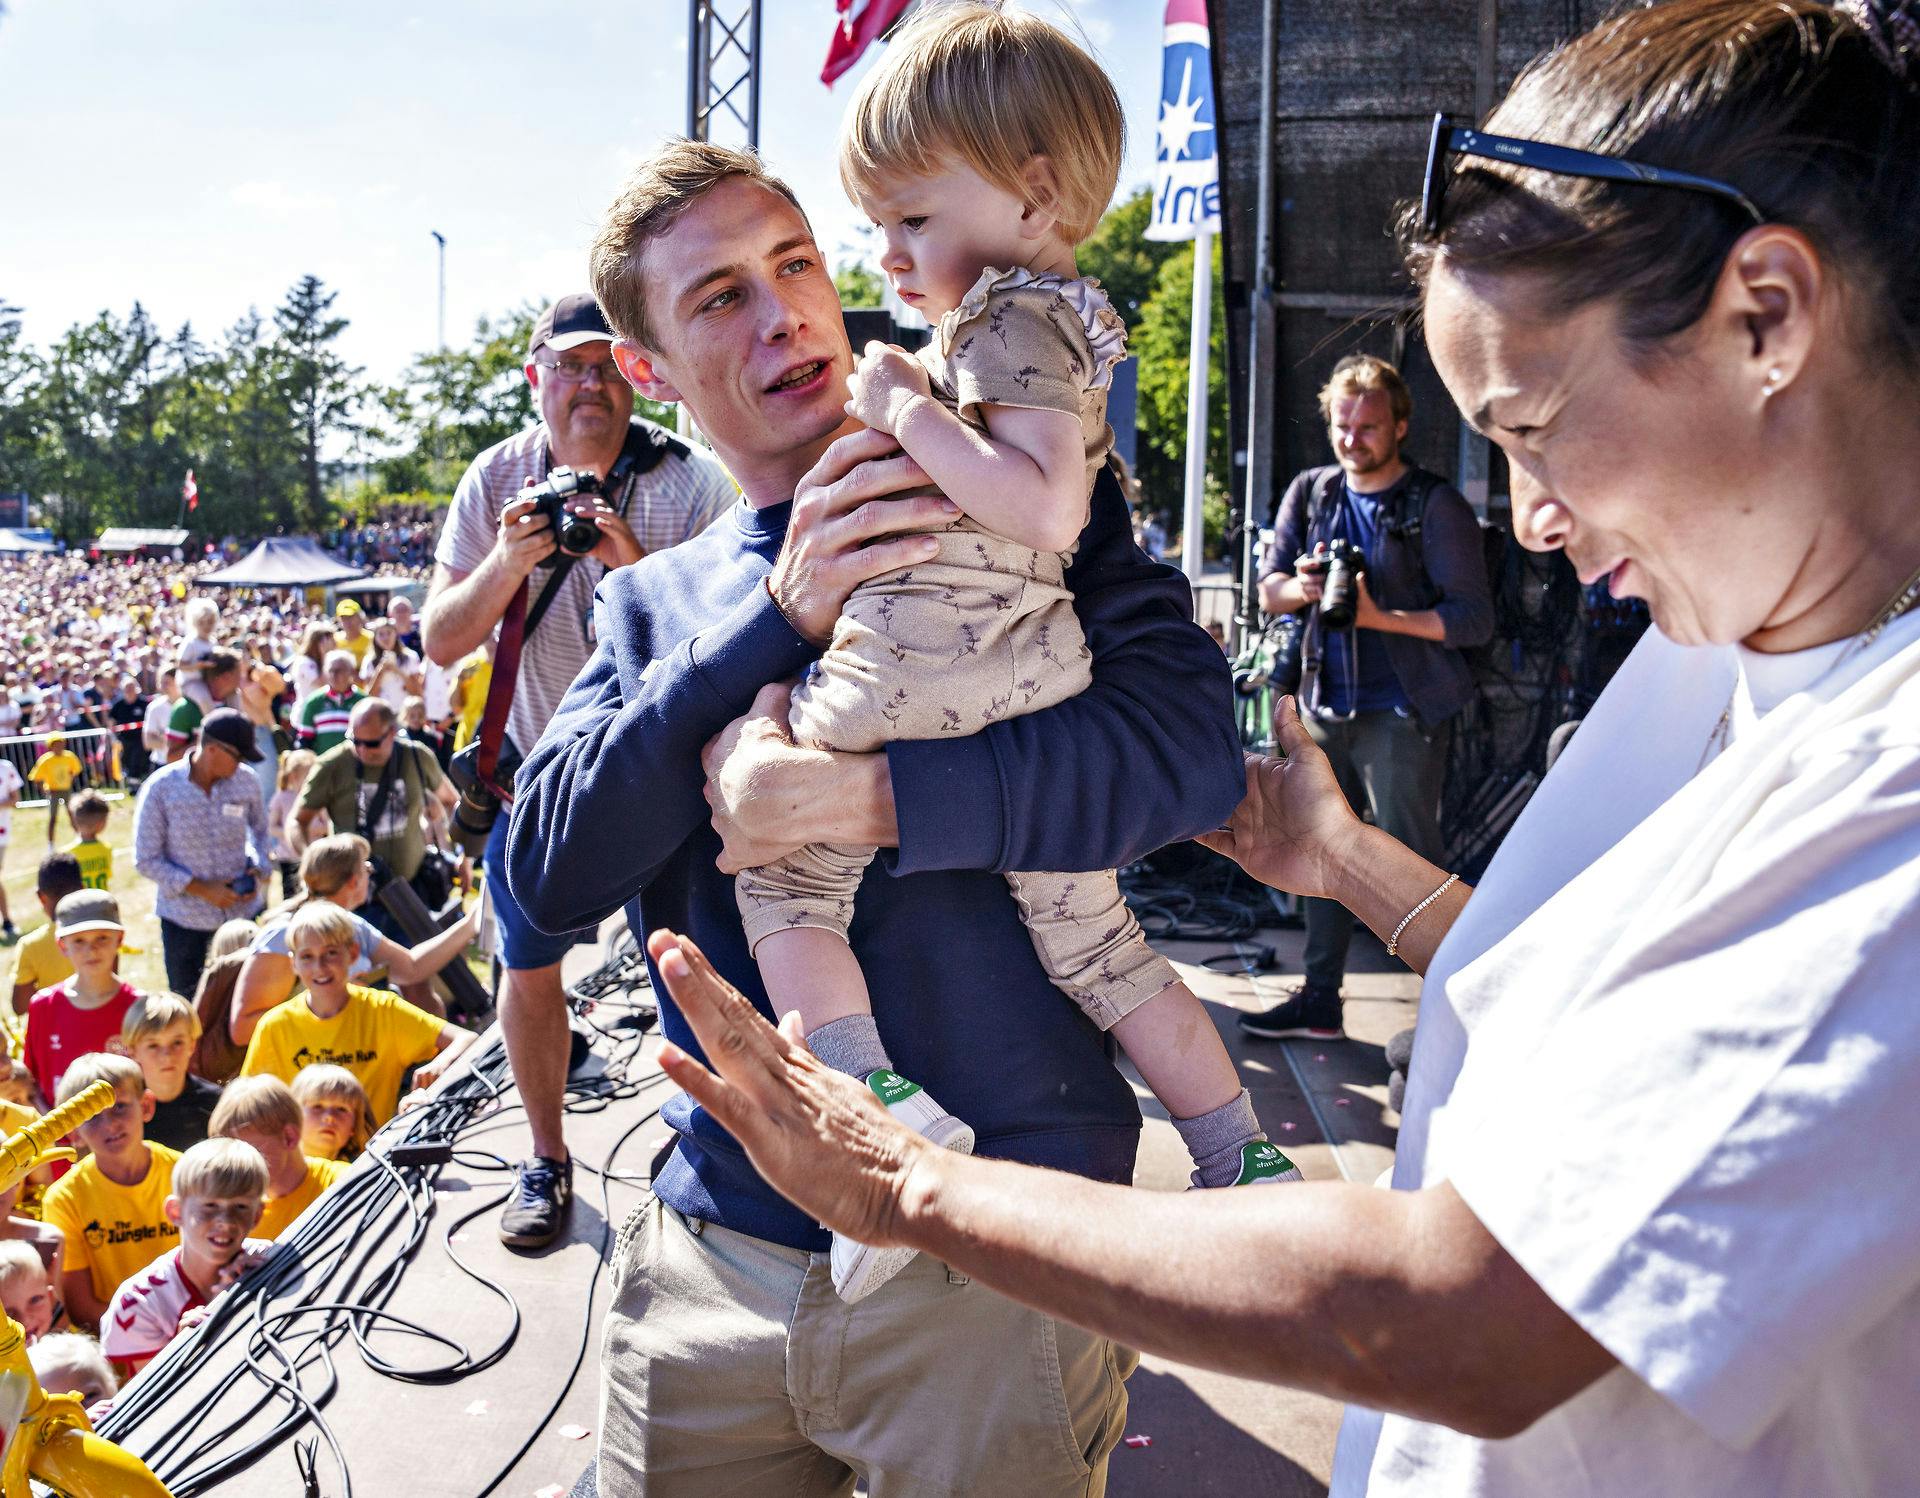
(989, 89)
(154, 1014)
(98, 1066)
(221, 1170)
(255, 1103)
(648, 204)
(321, 920)
(1363, 374)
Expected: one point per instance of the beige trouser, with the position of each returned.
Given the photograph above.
(984, 631)
(731, 1367)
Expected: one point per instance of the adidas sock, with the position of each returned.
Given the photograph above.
(851, 1045)
(1214, 1140)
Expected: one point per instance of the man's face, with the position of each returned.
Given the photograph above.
(372, 739)
(351, 625)
(340, 678)
(748, 326)
(402, 612)
(1364, 434)
(583, 400)
(220, 761)
(221, 684)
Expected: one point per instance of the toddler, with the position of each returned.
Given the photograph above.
(1006, 412)
(160, 1033)
(334, 1121)
(27, 1292)
(262, 1113)
(295, 767)
(195, 646)
(215, 1202)
(89, 812)
(112, 1205)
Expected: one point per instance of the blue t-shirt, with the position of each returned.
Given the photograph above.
(1356, 674)
(273, 938)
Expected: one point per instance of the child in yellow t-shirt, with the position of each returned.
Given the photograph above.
(262, 1112)
(89, 812)
(373, 1034)
(55, 772)
(112, 1207)
(38, 961)
(334, 1124)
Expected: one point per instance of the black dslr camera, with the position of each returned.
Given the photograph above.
(1339, 598)
(480, 800)
(576, 534)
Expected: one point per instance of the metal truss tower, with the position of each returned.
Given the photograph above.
(723, 71)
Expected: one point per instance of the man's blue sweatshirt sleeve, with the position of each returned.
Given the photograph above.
(614, 787)
(1147, 755)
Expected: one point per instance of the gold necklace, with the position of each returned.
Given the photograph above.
(1903, 600)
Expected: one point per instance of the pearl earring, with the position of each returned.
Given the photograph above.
(1772, 383)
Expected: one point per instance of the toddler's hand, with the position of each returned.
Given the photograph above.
(883, 384)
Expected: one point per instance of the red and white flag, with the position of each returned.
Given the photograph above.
(190, 491)
(861, 24)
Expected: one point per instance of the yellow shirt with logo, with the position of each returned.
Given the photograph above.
(56, 772)
(282, 1210)
(96, 864)
(38, 961)
(376, 1037)
(113, 1231)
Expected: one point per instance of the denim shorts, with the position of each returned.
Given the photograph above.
(523, 946)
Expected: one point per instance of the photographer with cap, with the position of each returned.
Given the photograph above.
(495, 548)
(200, 834)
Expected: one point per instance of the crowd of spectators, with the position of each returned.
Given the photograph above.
(395, 536)
(246, 1083)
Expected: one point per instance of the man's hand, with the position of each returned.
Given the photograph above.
(751, 766)
(1294, 824)
(220, 896)
(821, 1139)
(841, 510)
(883, 384)
(1310, 573)
(618, 546)
(525, 540)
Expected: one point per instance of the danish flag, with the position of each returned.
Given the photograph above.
(862, 22)
(190, 492)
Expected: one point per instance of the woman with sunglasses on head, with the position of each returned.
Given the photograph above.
(1657, 1225)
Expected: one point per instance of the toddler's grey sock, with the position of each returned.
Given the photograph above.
(1214, 1140)
(851, 1045)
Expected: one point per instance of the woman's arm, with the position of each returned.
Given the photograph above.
(1294, 831)
(266, 981)
(420, 963)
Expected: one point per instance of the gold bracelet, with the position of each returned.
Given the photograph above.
(1393, 942)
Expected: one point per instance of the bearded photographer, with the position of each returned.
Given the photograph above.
(495, 548)
(1386, 558)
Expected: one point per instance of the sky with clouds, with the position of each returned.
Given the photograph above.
(201, 155)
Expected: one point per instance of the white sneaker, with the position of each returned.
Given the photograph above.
(858, 1268)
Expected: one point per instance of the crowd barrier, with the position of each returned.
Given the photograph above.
(103, 758)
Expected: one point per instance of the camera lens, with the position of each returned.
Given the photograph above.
(579, 535)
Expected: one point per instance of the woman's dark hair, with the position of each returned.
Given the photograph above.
(1794, 102)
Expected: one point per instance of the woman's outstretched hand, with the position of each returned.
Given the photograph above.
(823, 1140)
(1292, 830)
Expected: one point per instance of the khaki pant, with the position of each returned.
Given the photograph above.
(984, 631)
(731, 1367)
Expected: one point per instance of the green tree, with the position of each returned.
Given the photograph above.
(1160, 341)
(1122, 259)
(20, 376)
(859, 285)
(454, 403)
(322, 393)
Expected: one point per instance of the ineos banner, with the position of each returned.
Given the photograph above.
(1186, 185)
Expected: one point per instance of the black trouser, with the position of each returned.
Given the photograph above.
(185, 952)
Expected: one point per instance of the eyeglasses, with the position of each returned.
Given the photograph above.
(575, 371)
(1450, 139)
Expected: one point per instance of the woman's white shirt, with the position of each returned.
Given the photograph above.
(1669, 1055)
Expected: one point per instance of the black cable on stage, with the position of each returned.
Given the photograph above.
(346, 1292)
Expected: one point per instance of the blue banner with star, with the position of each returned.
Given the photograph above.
(1186, 181)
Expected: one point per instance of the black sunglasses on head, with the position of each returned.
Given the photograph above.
(1449, 139)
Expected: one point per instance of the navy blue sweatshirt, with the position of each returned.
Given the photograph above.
(609, 812)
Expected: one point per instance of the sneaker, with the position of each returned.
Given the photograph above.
(858, 1268)
(1263, 1164)
(1307, 1013)
(537, 1209)
(8, 936)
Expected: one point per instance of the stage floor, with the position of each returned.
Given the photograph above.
(1210, 1435)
